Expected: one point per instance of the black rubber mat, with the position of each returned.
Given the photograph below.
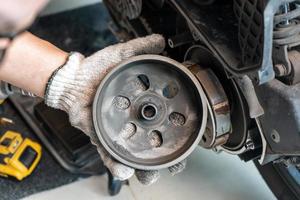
(48, 174)
(83, 30)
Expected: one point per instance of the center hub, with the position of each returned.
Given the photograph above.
(149, 111)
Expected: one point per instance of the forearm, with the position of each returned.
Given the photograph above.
(29, 62)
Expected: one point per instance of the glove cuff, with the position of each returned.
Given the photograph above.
(58, 92)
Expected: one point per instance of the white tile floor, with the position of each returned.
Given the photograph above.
(208, 176)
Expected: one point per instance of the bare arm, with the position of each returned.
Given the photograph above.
(29, 62)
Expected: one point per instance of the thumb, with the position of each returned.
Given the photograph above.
(152, 44)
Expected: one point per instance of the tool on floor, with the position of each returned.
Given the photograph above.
(18, 156)
(5, 121)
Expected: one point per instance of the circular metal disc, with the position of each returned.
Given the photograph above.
(150, 112)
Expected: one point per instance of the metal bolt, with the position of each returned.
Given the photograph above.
(180, 39)
(249, 144)
(285, 9)
(280, 70)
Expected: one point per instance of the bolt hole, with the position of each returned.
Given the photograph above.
(170, 91)
(128, 130)
(149, 111)
(121, 102)
(275, 136)
(177, 119)
(144, 82)
(155, 139)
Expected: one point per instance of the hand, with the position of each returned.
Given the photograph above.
(73, 86)
(17, 16)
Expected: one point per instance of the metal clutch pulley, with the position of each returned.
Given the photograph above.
(150, 112)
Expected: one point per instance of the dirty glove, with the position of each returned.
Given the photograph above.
(72, 88)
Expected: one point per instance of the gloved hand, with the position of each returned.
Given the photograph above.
(72, 88)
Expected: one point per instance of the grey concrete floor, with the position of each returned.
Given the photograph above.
(208, 176)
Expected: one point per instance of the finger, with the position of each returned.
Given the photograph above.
(117, 169)
(177, 168)
(152, 44)
(83, 121)
(112, 55)
(81, 118)
(147, 177)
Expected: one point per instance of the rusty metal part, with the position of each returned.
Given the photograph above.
(294, 58)
(238, 111)
(218, 122)
(282, 66)
(280, 70)
(285, 38)
(220, 140)
(150, 112)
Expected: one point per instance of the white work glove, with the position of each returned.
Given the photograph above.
(72, 88)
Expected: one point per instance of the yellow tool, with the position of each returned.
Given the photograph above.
(5, 121)
(18, 156)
